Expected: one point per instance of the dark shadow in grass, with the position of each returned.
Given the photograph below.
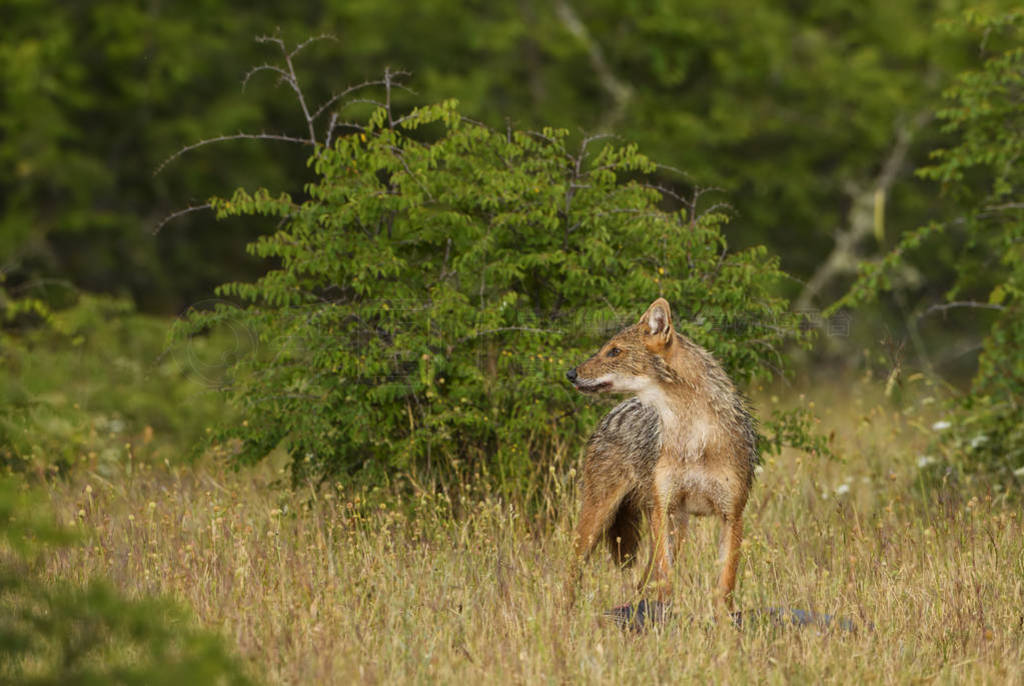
(647, 613)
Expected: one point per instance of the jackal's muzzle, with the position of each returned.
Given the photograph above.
(586, 385)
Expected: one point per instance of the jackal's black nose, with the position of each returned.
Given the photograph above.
(571, 374)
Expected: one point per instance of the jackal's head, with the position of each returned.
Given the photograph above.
(633, 361)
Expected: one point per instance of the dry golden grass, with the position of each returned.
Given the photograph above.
(322, 588)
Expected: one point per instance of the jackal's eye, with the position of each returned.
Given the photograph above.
(614, 352)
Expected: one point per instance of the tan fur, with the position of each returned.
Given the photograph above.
(683, 445)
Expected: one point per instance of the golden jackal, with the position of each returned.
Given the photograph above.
(683, 444)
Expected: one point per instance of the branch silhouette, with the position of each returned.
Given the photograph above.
(312, 116)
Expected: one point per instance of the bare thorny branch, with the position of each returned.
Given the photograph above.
(957, 304)
(232, 137)
(312, 117)
(180, 213)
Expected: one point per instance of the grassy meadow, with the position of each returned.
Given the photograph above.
(329, 586)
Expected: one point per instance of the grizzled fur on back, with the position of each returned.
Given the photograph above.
(630, 433)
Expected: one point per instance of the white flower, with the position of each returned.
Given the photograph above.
(978, 440)
(1019, 472)
(925, 460)
(842, 489)
(941, 425)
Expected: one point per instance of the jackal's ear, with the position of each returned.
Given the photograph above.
(657, 320)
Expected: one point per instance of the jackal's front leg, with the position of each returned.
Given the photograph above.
(729, 557)
(661, 552)
(678, 523)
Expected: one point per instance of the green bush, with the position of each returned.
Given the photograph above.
(428, 296)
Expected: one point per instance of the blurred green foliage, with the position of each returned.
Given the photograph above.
(93, 96)
(781, 104)
(984, 114)
(97, 383)
(62, 633)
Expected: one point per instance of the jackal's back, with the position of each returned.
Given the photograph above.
(630, 432)
(626, 443)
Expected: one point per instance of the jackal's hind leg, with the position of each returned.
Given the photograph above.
(599, 508)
